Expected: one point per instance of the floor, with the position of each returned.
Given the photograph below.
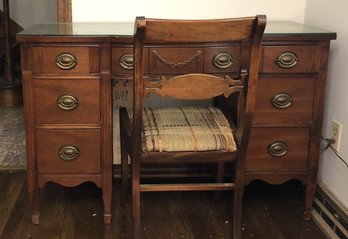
(270, 211)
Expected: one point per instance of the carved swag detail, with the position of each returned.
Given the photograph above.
(175, 65)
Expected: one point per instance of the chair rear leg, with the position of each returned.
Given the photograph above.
(124, 171)
(220, 171)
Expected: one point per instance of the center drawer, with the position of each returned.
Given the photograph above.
(68, 151)
(67, 101)
(178, 60)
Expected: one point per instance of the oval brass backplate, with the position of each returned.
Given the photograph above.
(127, 61)
(278, 149)
(66, 61)
(67, 102)
(287, 59)
(281, 100)
(223, 60)
(68, 152)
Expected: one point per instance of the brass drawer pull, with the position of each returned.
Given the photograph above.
(127, 61)
(223, 60)
(68, 152)
(66, 61)
(67, 102)
(281, 100)
(278, 149)
(287, 59)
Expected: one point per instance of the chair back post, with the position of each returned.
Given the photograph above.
(250, 100)
(248, 104)
(255, 61)
(140, 24)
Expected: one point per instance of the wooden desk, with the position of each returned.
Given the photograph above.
(67, 71)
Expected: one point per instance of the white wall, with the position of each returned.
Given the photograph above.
(331, 15)
(111, 10)
(29, 12)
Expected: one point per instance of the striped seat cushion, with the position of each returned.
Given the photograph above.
(185, 129)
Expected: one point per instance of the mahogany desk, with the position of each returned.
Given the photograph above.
(67, 74)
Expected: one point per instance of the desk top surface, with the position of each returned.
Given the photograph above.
(126, 30)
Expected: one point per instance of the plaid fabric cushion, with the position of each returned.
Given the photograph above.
(185, 129)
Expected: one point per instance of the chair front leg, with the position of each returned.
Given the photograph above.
(137, 229)
(237, 209)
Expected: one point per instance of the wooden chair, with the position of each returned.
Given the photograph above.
(153, 134)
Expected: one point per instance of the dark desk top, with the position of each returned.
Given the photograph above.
(125, 30)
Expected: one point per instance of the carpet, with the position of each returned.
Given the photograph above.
(12, 138)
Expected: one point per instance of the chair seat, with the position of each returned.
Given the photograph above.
(172, 129)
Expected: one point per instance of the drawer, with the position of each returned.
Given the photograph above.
(67, 101)
(284, 100)
(222, 59)
(68, 151)
(123, 61)
(172, 60)
(65, 59)
(278, 148)
(296, 59)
